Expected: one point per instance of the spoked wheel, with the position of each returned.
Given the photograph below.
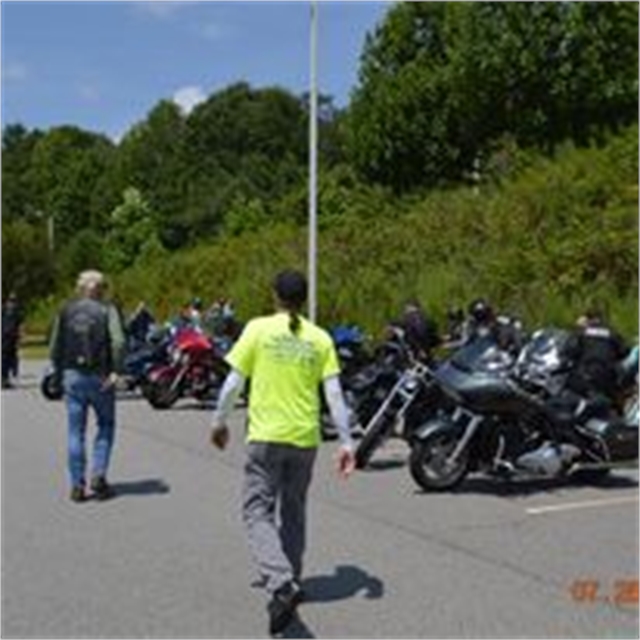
(429, 462)
(160, 394)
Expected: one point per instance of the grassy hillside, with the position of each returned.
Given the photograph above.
(560, 236)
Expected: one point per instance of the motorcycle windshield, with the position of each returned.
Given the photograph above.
(481, 354)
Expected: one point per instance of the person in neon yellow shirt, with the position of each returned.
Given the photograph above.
(287, 358)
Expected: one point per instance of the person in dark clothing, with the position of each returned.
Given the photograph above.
(420, 331)
(483, 322)
(11, 323)
(139, 326)
(86, 348)
(596, 351)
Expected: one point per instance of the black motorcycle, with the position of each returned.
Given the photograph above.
(393, 396)
(517, 420)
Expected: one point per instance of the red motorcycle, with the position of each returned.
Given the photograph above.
(196, 369)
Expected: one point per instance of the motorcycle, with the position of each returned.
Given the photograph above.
(195, 368)
(142, 356)
(390, 396)
(517, 419)
(353, 357)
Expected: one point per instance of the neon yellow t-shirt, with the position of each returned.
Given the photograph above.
(286, 371)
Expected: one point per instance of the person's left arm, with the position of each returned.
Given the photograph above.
(240, 359)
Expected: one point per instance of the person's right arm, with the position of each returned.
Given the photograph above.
(55, 343)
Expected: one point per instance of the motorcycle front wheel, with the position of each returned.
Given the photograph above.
(371, 440)
(160, 394)
(429, 462)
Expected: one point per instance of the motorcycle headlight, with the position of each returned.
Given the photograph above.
(410, 384)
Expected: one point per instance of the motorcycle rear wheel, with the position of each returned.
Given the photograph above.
(427, 462)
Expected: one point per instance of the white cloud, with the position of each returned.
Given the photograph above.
(189, 97)
(15, 71)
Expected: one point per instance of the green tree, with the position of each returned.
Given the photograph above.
(150, 158)
(17, 149)
(132, 232)
(66, 165)
(440, 82)
(28, 267)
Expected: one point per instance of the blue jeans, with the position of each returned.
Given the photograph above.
(82, 391)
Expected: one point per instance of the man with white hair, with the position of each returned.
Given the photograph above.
(86, 349)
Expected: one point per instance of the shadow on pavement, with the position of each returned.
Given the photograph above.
(140, 488)
(346, 582)
(520, 488)
(385, 465)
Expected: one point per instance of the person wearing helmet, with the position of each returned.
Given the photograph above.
(483, 322)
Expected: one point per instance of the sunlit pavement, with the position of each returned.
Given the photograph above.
(167, 558)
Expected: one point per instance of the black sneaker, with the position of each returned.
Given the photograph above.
(282, 606)
(102, 490)
(78, 494)
(300, 594)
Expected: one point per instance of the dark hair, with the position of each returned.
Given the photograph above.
(291, 288)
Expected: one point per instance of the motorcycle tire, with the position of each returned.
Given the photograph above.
(591, 476)
(426, 458)
(160, 395)
(371, 440)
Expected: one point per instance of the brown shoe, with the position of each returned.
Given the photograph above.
(78, 494)
(102, 490)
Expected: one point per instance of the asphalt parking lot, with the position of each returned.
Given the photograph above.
(167, 558)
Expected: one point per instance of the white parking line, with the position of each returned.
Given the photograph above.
(534, 511)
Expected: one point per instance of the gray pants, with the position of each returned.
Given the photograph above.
(277, 477)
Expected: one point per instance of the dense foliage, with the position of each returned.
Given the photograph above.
(488, 147)
(440, 82)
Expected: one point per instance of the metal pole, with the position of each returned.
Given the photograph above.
(50, 223)
(313, 167)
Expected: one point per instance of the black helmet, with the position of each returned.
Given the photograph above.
(480, 310)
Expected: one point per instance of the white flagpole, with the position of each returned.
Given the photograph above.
(313, 167)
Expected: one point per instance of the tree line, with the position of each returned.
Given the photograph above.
(449, 94)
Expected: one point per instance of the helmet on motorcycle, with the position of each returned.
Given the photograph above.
(480, 310)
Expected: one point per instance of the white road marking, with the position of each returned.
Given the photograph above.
(581, 505)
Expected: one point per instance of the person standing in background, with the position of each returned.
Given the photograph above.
(87, 348)
(287, 358)
(11, 323)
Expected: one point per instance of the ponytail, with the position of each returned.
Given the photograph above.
(294, 322)
(291, 290)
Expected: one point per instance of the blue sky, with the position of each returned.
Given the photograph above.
(103, 66)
